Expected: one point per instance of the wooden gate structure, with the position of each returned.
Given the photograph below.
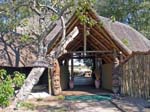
(118, 45)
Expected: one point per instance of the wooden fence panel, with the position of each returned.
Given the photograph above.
(136, 76)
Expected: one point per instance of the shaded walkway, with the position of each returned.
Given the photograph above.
(85, 90)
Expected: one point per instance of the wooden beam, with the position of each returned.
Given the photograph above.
(104, 35)
(75, 43)
(96, 46)
(99, 43)
(71, 25)
(62, 46)
(99, 52)
(81, 57)
(109, 36)
(99, 37)
(101, 28)
(73, 18)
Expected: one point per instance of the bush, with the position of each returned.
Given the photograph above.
(7, 85)
(19, 78)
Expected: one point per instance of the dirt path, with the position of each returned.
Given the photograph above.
(67, 106)
(58, 104)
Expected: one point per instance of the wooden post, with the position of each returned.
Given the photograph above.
(121, 72)
(71, 81)
(49, 81)
(115, 74)
(71, 68)
(55, 74)
(85, 39)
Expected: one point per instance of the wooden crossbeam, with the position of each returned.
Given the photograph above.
(99, 52)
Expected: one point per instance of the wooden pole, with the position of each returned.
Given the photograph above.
(71, 68)
(85, 39)
(100, 52)
(71, 82)
(49, 81)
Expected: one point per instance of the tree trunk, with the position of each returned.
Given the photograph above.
(31, 80)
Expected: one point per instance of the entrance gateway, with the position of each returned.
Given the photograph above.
(87, 43)
(87, 70)
(98, 74)
(128, 63)
(92, 72)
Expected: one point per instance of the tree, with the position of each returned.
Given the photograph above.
(133, 12)
(10, 18)
(47, 13)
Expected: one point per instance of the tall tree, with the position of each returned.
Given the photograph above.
(17, 14)
(133, 12)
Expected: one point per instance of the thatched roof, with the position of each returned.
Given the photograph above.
(103, 36)
(134, 40)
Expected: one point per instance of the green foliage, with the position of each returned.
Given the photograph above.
(6, 91)
(24, 22)
(113, 18)
(7, 85)
(126, 42)
(82, 10)
(54, 17)
(60, 97)
(3, 74)
(25, 38)
(26, 105)
(19, 78)
(133, 12)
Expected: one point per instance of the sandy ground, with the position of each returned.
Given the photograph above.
(58, 104)
(69, 106)
(53, 104)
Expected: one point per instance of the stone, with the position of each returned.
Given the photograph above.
(38, 95)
